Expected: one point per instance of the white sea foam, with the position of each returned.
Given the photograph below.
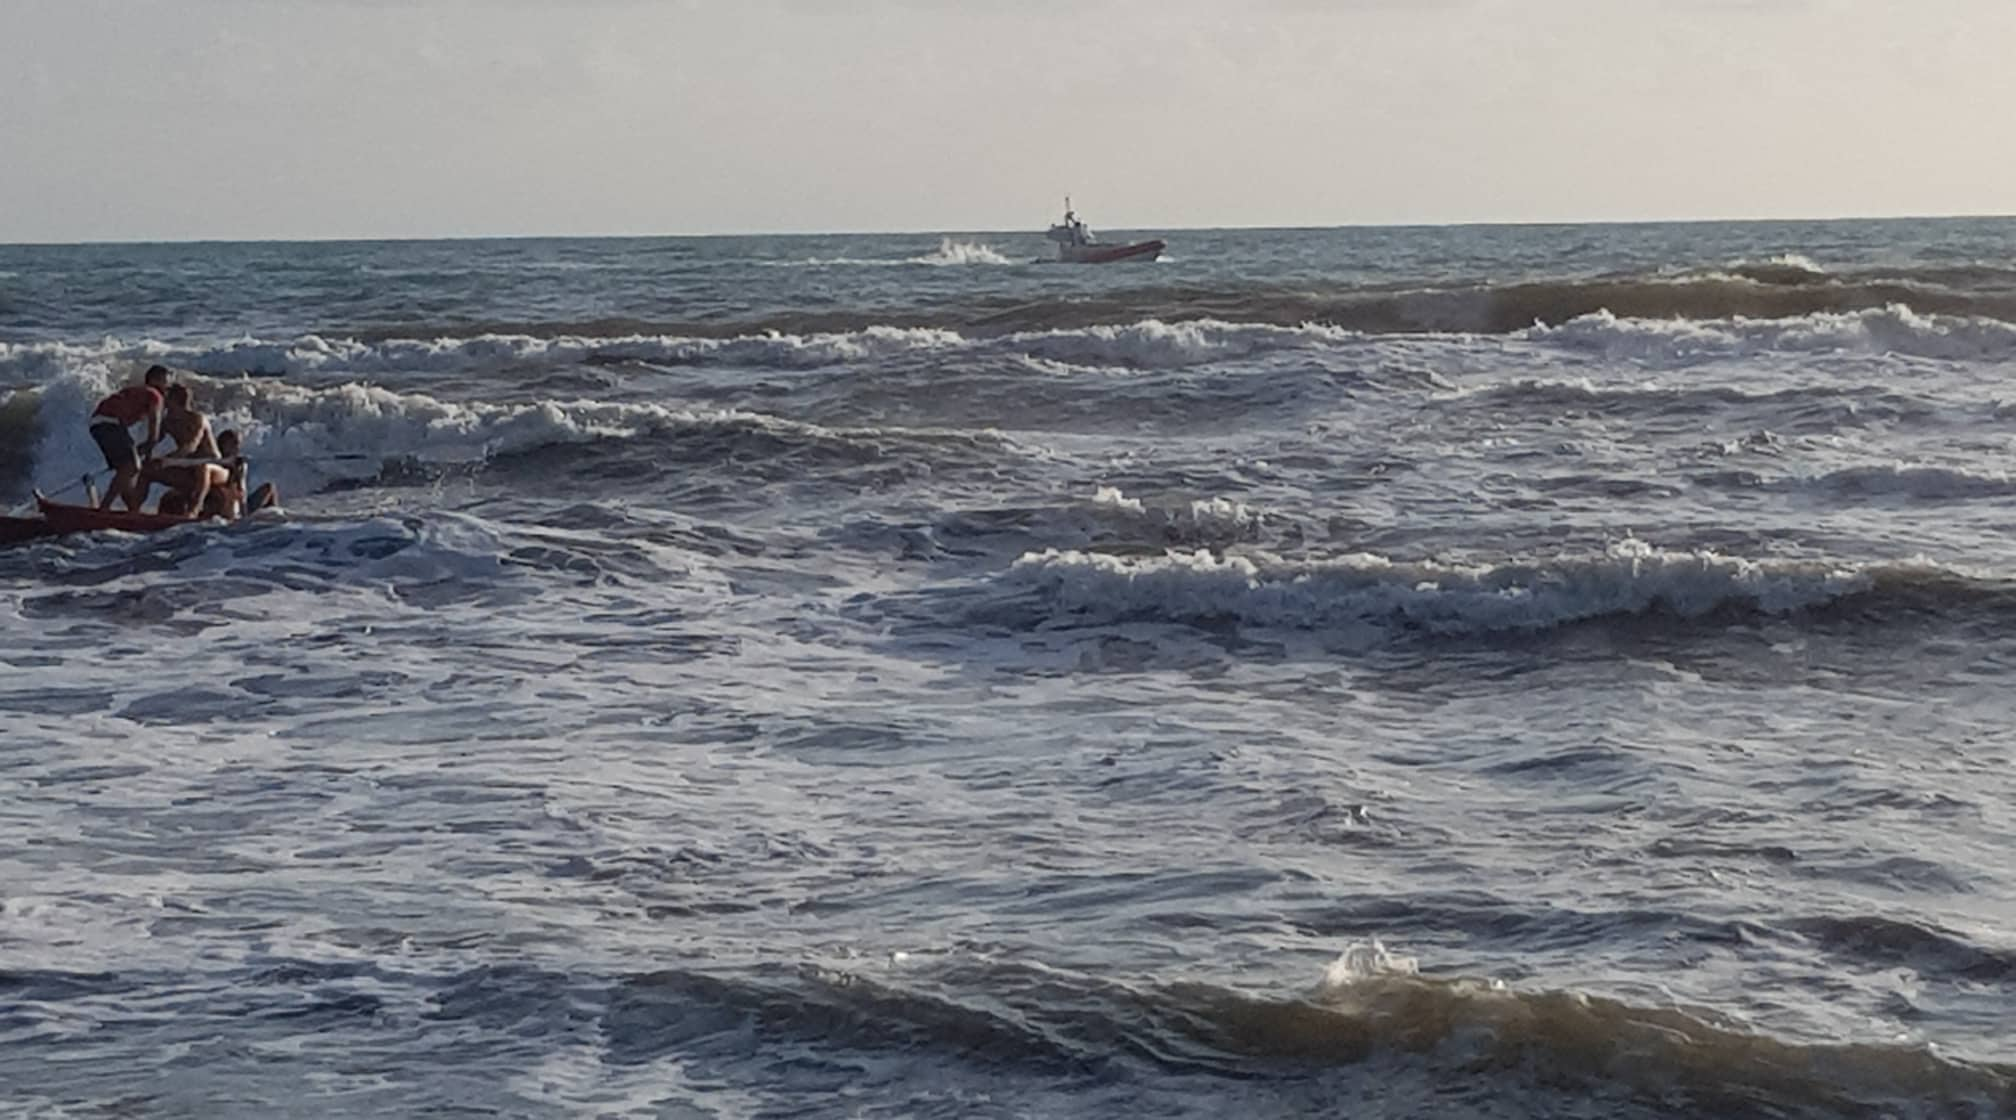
(64, 451)
(1153, 344)
(1784, 268)
(1630, 577)
(1222, 514)
(1200, 520)
(1365, 960)
(1890, 330)
(350, 429)
(950, 252)
(1149, 344)
(314, 354)
(303, 436)
(1112, 496)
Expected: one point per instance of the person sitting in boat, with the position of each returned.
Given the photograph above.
(192, 467)
(227, 501)
(233, 494)
(111, 429)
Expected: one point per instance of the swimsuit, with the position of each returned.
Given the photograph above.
(114, 415)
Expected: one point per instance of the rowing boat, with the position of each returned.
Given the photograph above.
(59, 519)
(90, 519)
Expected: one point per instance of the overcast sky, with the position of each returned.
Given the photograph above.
(171, 119)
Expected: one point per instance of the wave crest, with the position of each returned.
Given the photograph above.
(1465, 1041)
(1150, 344)
(1924, 483)
(306, 437)
(1893, 329)
(1180, 341)
(1630, 578)
(1785, 268)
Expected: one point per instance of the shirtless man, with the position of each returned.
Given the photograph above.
(111, 429)
(191, 467)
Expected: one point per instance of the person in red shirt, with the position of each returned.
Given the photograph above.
(111, 429)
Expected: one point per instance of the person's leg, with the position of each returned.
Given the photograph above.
(171, 479)
(138, 486)
(207, 475)
(226, 501)
(122, 481)
(265, 496)
(124, 459)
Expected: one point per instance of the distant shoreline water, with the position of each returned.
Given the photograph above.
(1003, 231)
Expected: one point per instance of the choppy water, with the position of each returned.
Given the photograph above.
(1465, 672)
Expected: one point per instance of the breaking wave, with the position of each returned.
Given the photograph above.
(1445, 1045)
(1600, 1042)
(307, 437)
(1786, 289)
(1210, 521)
(1144, 345)
(1631, 578)
(1152, 344)
(1919, 483)
(314, 354)
(1473, 1041)
(1894, 329)
(1784, 269)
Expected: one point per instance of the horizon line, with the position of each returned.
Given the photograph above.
(1023, 231)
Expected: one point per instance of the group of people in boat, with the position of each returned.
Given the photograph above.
(204, 474)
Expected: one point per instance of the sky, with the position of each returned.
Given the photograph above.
(256, 119)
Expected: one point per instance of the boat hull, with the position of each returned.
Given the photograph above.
(19, 530)
(62, 518)
(1108, 254)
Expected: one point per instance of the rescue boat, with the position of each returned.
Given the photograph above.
(1077, 245)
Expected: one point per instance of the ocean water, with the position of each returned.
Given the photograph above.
(1437, 672)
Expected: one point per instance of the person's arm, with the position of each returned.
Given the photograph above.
(206, 444)
(153, 431)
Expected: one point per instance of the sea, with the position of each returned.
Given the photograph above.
(1453, 672)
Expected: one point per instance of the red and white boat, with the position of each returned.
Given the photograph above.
(1076, 245)
(59, 519)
